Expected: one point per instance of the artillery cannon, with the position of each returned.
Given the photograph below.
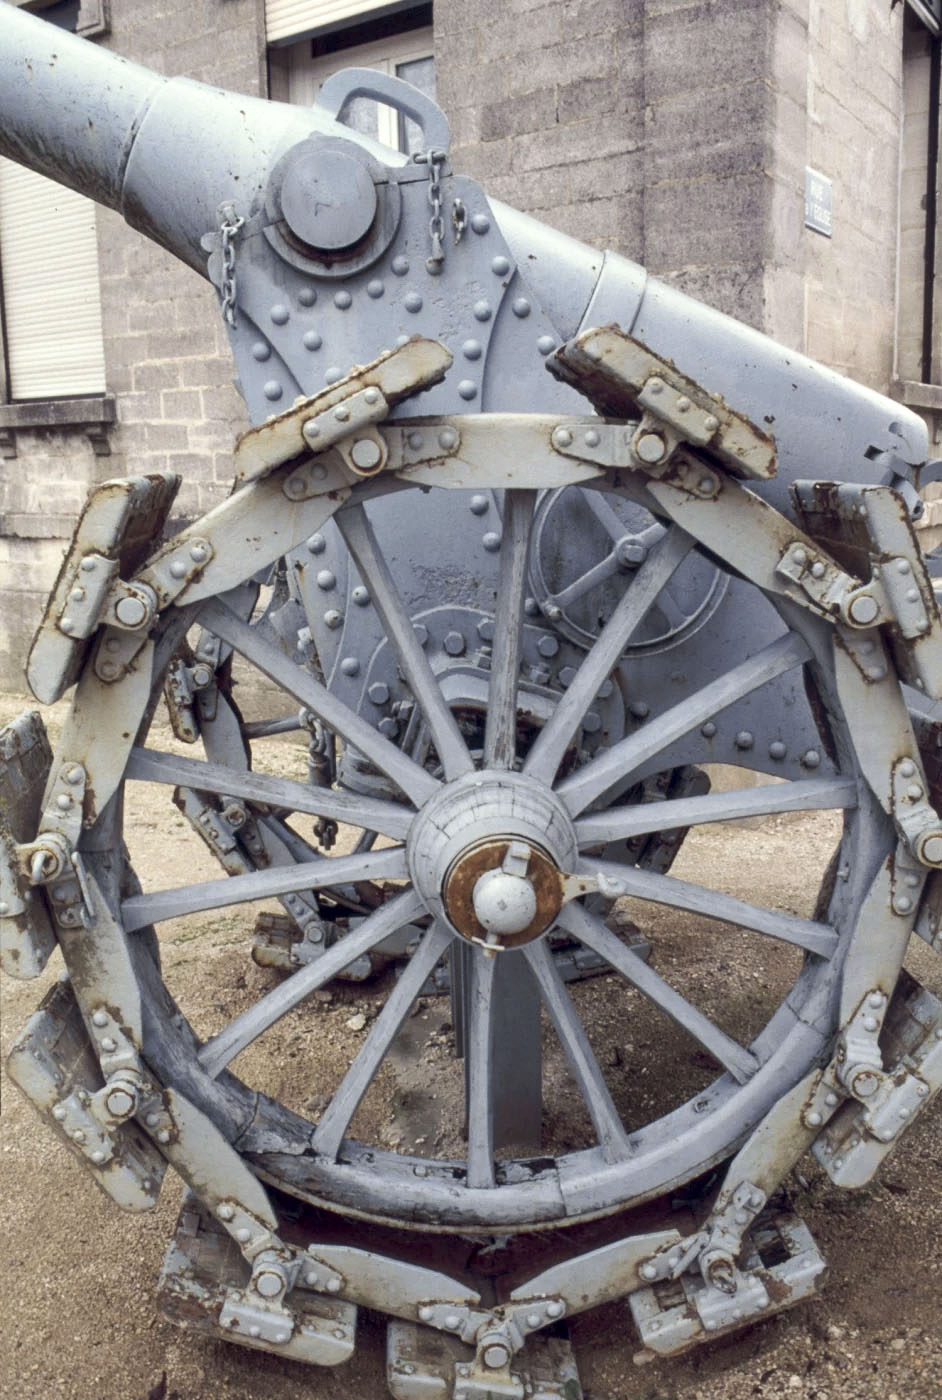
(516, 613)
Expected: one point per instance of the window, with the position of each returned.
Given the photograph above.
(52, 365)
(397, 43)
(51, 301)
(919, 357)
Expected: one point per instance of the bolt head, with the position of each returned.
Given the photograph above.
(132, 611)
(864, 609)
(496, 1356)
(366, 454)
(650, 447)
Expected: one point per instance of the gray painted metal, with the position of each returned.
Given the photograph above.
(468, 574)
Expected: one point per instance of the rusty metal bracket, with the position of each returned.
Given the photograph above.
(362, 397)
(622, 376)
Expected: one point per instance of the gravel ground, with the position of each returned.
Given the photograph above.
(77, 1293)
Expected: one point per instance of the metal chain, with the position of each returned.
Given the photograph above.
(229, 229)
(436, 225)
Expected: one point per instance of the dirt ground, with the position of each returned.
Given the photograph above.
(77, 1289)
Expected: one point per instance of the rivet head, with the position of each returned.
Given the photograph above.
(350, 666)
(280, 314)
(472, 349)
(907, 768)
(811, 759)
(342, 299)
(108, 1044)
(546, 344)
(326, 579)
(647, 1271)
(261, 350)
(814, 1119)
(100, 1018)
(400, 265)
(482, 311)
(744, 740)
(817, 569)
(711, 423)
(243, 1235)
(800, 556)
(708, 730)
(777, 749)
(448, 439)
(500, 266)
(520, 307)
(178, 569)
(66, 624)
(479, 505)
(375, 288)
(491, 541)
(467, 389)
(311, 340)
(412, 302)
(333, 1285)
(592, 437)
(272, 390)
(562, 437)
(64, 801)
(480, 223)
(360, 596)
(333, 618)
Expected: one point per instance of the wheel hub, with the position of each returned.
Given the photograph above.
(487, 854)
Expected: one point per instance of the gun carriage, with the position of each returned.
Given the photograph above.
(524, 541)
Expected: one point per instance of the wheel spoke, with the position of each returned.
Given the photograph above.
(605, 513)
(615, 880)
(446, 736)
(411, 778)
(591, 931)
(480, 1054)
(336, 1118)
(616, 764)
(622, 823)
(663, 561)
(585, 1067)
(143, 909)
(500, 734)
(148, 765)
(217, 1053)
(606, 568)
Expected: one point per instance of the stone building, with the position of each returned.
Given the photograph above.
(777, 158)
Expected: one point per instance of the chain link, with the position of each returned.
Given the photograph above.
(230, 226)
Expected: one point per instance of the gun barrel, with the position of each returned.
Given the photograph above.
(164, 152)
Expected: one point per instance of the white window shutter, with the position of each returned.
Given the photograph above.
(51, 295)
(284, 19)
